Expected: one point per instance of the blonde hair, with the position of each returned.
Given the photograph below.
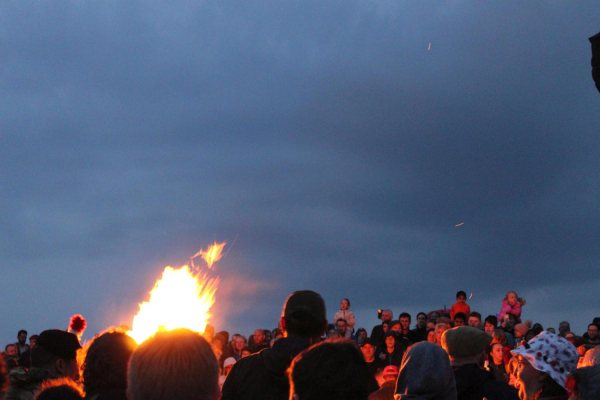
(179, 364)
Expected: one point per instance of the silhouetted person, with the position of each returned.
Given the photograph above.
(25, 358)
(466, 346)
(262, 376)
(329, 370)
(54, 356)
(105, 366)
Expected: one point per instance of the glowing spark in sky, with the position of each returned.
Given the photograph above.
(212, 254)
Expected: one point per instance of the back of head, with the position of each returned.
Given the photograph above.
(425, 372)
(304, 314)
(59, 389)
(465, 344)
(54, 344)
(179, 364)
(586, 382)
(592, 357)
(329, 370)
(105, 366)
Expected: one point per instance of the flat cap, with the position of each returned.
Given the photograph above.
(465, 341)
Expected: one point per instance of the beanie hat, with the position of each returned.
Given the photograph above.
(59, 343)
(521, 330)
(551, 354)
(465, 341)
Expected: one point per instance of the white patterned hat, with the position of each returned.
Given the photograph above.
(551, 354)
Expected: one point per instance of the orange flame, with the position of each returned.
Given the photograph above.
(180, 299)
(212, 254)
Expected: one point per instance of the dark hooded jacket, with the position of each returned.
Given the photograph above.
(262, 376)
(426, 374)
(474, 383)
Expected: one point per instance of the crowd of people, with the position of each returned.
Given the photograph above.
(447, 355)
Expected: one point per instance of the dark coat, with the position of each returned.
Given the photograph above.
(474, 383)
(377, 334)
(385, 392)
(261, 376)
(375, 366)
(419, 335)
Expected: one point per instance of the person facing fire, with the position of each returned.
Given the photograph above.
(342, 327)
(21, 344)
(374, 364)
(491, 323)
(460, 305)
(10, 356)
(262, 376)
(460, 319)
(420, 332)
(474, 320)
(178, 364)
(347, 315)
(25, 358)
(240, 344)
(259, 341)
(378, 332)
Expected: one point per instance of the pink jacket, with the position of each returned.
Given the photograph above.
(508, 309)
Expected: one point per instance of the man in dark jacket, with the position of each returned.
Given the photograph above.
(377, 334)
(386, 391)
(374, 364)
(259, 341)
(466, 347)
(420, 332)
(54, 356)
(262, 376)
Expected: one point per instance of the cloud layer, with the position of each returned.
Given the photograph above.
(324, 135)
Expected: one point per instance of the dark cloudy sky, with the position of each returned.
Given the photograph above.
(324, 135)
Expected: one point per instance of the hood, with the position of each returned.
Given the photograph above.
(426, 373)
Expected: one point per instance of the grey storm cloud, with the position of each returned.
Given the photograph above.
(339, 142)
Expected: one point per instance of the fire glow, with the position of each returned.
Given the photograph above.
(181, 298)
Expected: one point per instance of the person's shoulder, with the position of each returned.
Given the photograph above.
(498, 390)
(248, 361)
